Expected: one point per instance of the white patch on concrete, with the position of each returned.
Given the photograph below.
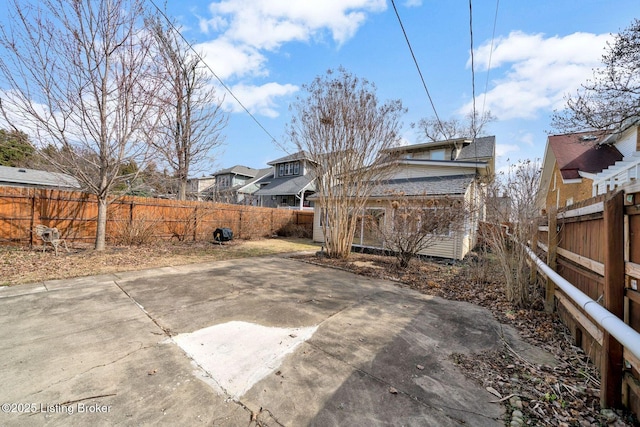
(236, 355)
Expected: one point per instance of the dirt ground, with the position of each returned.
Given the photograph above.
(566, 394)
(22, 265)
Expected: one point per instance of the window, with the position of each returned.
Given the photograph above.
(437, 154)
(288, 169)
(368, 228)
(426, 221)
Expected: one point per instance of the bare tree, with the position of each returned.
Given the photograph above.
(343, 127)
(441, 130)
(191, 114)
(418, 223)
(508, 233)
(76, 74)
(612, 97)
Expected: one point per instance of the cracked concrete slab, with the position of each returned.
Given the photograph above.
(101, 348)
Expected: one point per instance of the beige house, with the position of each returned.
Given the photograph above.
(451, 169)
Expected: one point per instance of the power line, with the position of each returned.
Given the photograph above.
(424, 84)
(473, 74)
(227, 88)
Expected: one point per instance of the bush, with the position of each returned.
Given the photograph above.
(140, 231)
(295, 230)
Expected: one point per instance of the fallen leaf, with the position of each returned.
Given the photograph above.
(494, 392)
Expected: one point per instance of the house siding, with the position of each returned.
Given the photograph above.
(628, 142)
(577, 191)
(454, 247)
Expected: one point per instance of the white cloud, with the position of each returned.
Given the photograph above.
(259, 99)
(246, 30)
(267, 24)
(536, 72)
(228, 60)
(502, 149)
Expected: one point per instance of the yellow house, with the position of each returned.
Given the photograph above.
(570, 163)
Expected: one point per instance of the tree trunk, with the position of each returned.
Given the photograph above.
(182, 190)
(101, 228)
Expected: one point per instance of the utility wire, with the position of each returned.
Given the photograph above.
(418, 67)
(473, 76)
(227, 88)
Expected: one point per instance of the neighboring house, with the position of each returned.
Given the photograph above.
(230, 181)
(451, 169)
(571, 161)
(290, 184)
(246, 193)
(498, 209)
(627, 141)
(201, 188)
(22, 177)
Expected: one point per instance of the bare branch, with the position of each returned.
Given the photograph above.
(345, 130)
(77, 81)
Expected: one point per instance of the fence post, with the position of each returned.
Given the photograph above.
(533, 273)
(32, 221)
(552, 249)
(195, 223)
(612, 363)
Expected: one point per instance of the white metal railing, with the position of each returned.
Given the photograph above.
(622, 332)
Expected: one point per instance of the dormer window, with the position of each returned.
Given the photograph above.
(289, 168)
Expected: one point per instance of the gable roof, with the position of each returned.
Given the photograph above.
(300, 155)
(262, 175)
(424, 186)
(288, 186)
(238, 170)
(582, 152)
(482, 147)
(36, 178)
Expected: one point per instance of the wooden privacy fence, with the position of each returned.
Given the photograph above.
(132, 219)
(595, 245)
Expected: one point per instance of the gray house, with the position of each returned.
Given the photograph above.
(22, 177)
(290, 184)
(237, 184)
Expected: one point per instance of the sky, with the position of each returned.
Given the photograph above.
(528, 55)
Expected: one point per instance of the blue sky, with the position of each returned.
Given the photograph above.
(264, 50)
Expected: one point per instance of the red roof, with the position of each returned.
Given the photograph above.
(582, 152)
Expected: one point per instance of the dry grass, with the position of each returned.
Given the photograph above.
(22, 265)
